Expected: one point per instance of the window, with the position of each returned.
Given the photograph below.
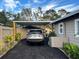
(77, 27)
(61, 28)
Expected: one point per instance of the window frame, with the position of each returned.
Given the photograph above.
(60, 28)
(76, 27)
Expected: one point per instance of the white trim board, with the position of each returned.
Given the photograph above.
(76, 28)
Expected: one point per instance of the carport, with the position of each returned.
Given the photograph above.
(25, 23)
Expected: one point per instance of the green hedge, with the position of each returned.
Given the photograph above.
(18, 36)
(52, 34)
(8, 38)
(72, 50)
(1, 46)
(9, 41)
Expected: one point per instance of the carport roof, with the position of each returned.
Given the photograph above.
(33, 22)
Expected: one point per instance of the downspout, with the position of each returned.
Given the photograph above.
(65, 29)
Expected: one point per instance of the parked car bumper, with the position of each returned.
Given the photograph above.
(35, 39)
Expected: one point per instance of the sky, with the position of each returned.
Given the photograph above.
(16, 6)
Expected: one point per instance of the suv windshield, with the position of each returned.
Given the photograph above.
(35, 31)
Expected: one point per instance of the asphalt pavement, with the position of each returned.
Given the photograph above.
(25, 50)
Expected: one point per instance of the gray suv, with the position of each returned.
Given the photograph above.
(35, 35)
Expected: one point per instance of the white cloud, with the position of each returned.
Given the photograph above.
(27, 5)
(10, 4)
(1, 10)
(65, 6)
(36, 1)
(73, 8)
(17, 2)
(69, 8)
(18, 11)
(39, 1)
(49, 6)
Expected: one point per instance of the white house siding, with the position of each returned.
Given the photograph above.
(69, 31)
(57, 31)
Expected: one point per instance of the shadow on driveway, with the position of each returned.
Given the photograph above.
(24, 51)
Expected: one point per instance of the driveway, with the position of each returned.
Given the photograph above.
(24, 51)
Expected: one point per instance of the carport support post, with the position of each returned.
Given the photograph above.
(14, 30)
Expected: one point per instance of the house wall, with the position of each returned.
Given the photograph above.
(69, 27)
(57, 31)
(70, 32)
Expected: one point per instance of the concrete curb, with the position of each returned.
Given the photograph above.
(8, 50)
(64, 53)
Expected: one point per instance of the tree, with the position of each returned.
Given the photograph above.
(3, 18)
(6, 18)
(62, 12)
(26, 14)
(16, 17)
(50, 15)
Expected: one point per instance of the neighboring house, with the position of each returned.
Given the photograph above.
(68, 26)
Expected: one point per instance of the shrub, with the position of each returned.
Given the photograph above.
(52, 34)
(72, 50)
(8, 38)
(1, 46)
(18, 36)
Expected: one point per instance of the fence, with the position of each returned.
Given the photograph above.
(5, 31)
(9, 31)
